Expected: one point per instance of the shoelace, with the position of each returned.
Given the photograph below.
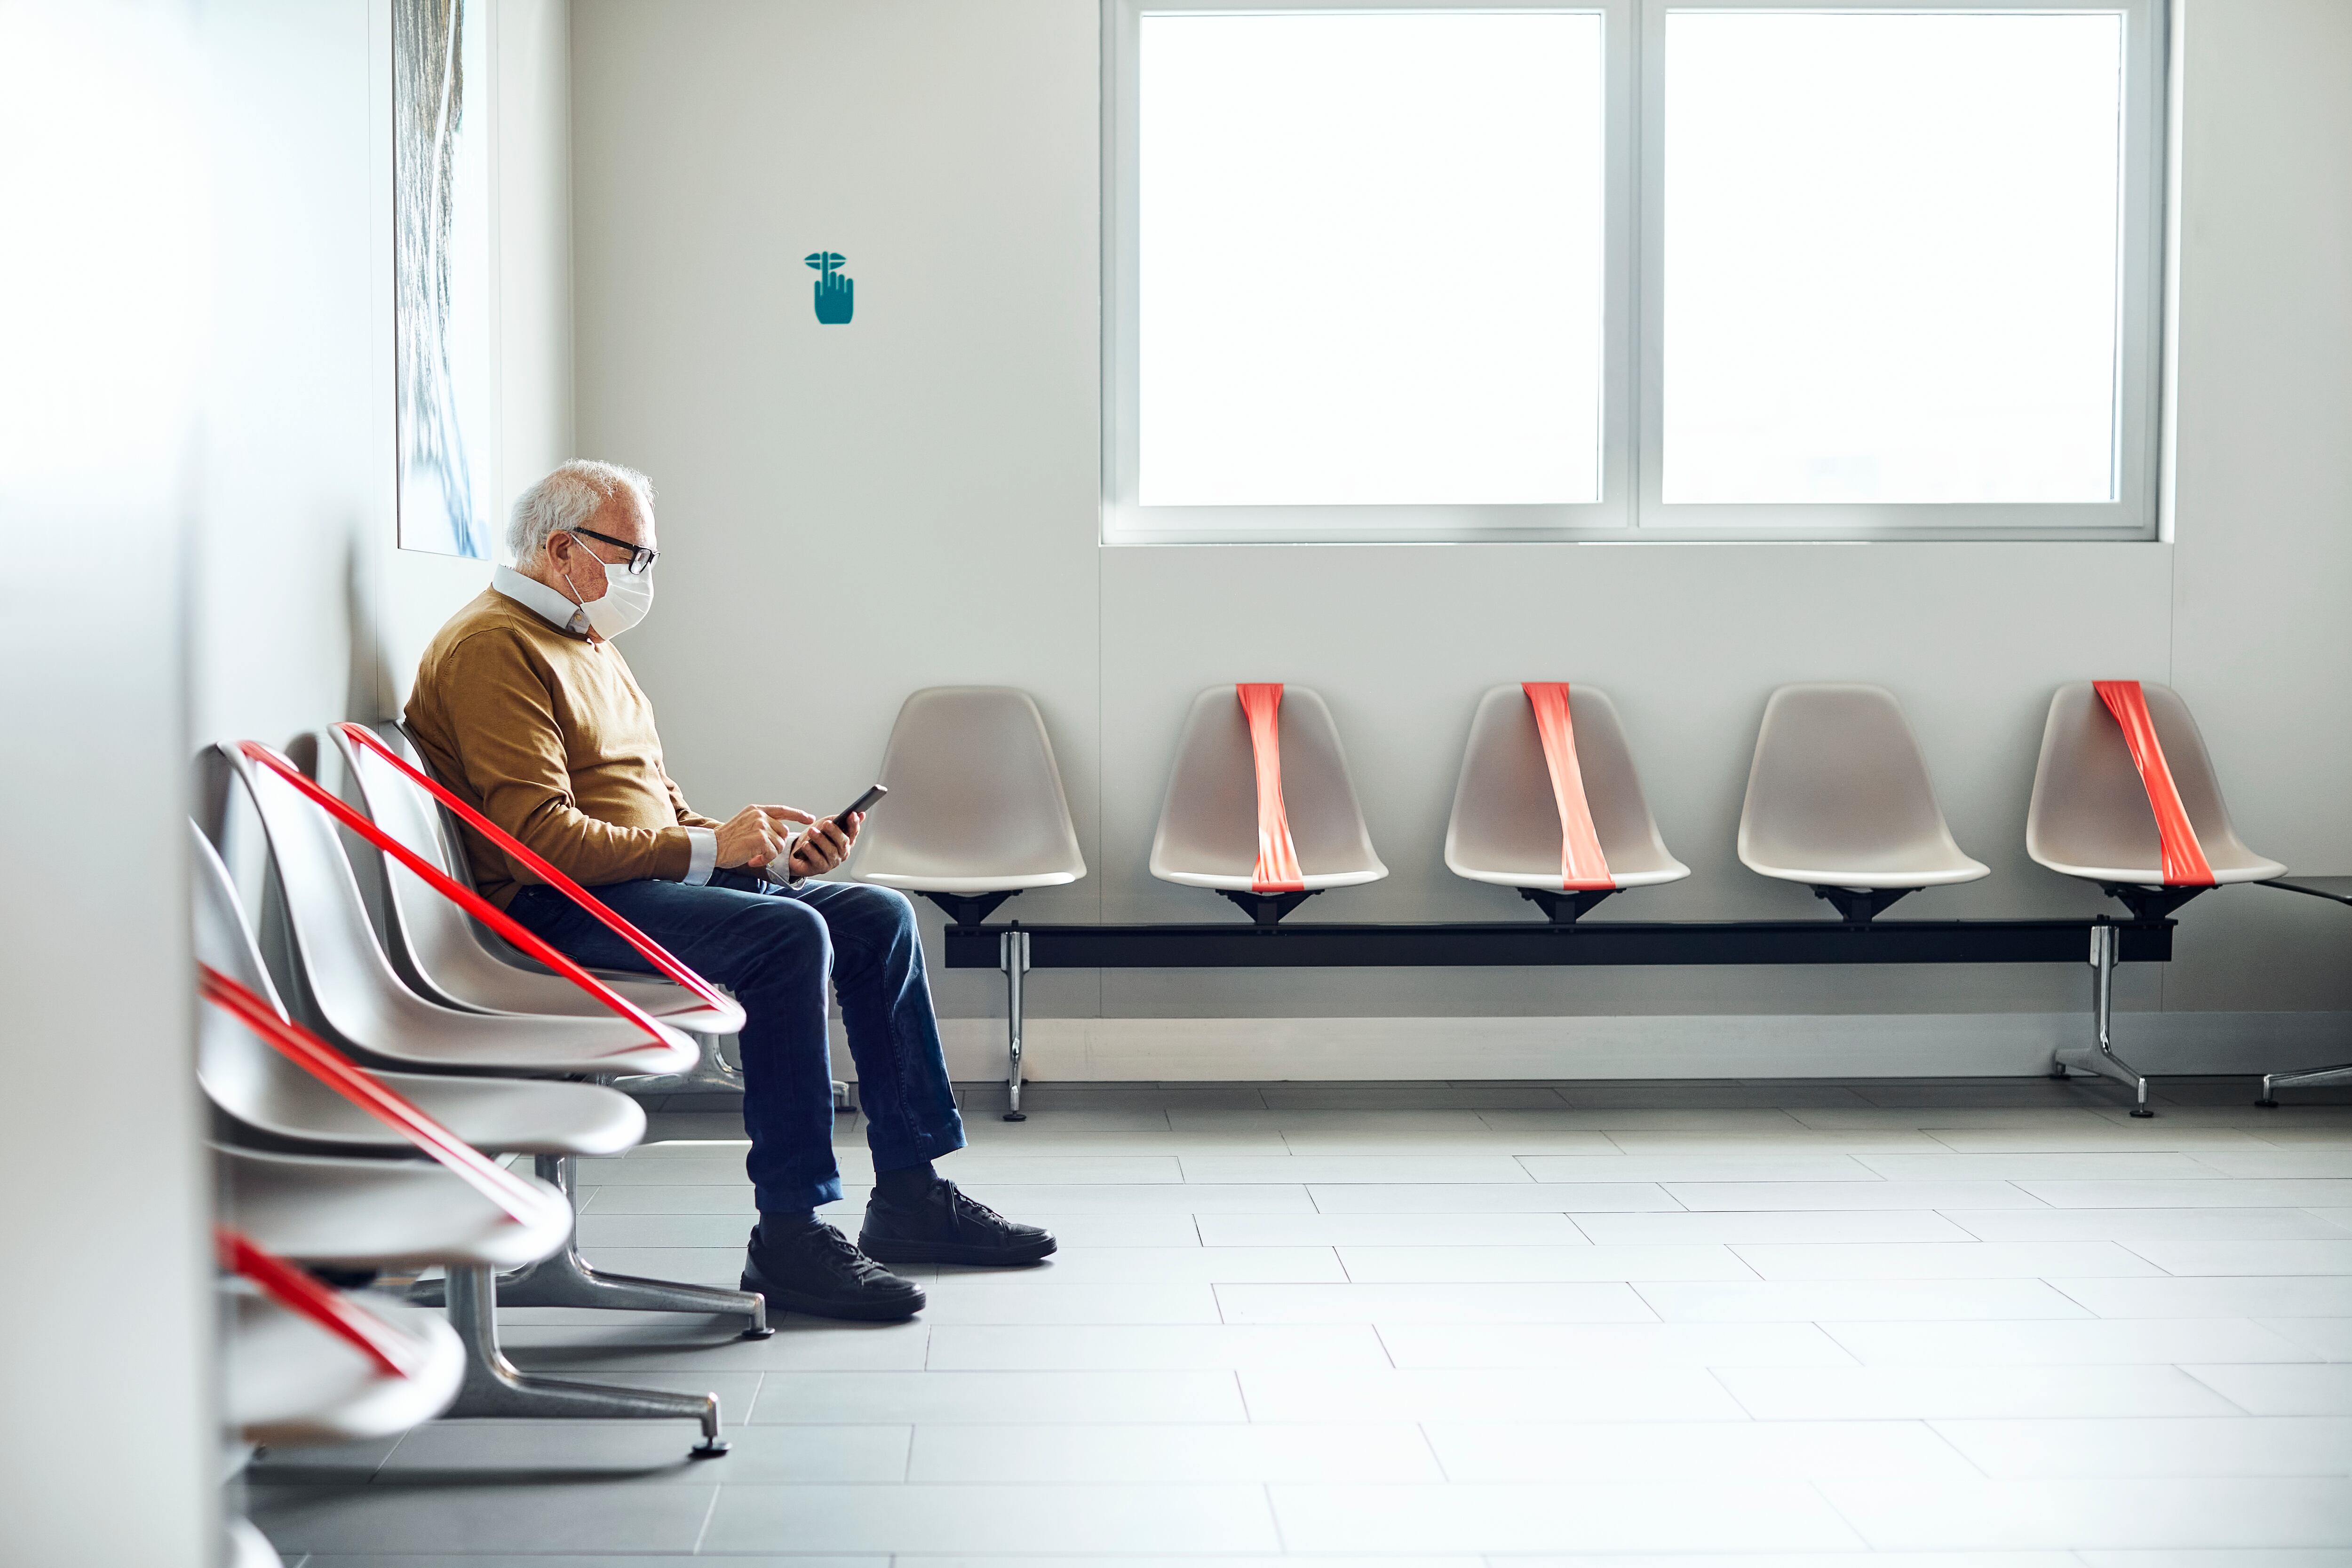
(965, 1210)
(830, 1247)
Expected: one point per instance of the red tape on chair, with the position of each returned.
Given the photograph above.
(395, 1353)
(466, 898)
(515, 850)
(2185, 864)
(1278, 858)
(1582, 866)
(331, 1067)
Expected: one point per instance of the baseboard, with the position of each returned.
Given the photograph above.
(1937, 1045)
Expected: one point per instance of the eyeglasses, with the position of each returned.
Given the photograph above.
(641, 559)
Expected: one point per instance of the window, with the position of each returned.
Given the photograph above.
(1436, 272)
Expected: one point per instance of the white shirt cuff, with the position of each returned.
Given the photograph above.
(704, 857)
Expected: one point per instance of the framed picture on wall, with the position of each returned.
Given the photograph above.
(442, 265)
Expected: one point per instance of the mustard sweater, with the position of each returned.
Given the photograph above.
(548, 735)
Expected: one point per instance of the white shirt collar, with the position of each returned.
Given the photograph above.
(541, 601)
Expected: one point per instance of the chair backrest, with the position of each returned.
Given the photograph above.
(1208, 821)
(345, 975)
(429, 935)
(1838, 784)
(240, 1073)
(2090, 814)
(1506, 824)
(976, 803)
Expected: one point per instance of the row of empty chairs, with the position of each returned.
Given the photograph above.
(1839, 799)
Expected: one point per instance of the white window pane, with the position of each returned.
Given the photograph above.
(1370, 258)
(1891, 256)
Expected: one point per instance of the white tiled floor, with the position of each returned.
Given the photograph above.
(1915, 1325)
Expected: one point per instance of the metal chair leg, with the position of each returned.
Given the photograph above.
(2100, 1057)
(2307, 1078)
(565, 1279)
(494, 1387)
(1012, 950)
(710, 1075)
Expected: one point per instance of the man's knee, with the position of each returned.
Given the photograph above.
(787, 939)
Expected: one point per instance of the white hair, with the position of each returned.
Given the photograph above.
(567, 499)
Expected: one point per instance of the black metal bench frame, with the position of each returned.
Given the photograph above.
(1857, 937)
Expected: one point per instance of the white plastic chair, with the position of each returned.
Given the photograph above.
(246, 1547)
(2090, 817)
(444, 949)
(378, 1214)
(355, 991)
(252, 1084)
(1504, 830)
(290, 1382)
(976, 815)
(1208, 820)
(1837, 798)
(976, 805)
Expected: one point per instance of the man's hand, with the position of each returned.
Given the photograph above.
(757, 834)
(824, 846)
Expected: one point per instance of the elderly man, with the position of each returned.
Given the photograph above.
(523, 705)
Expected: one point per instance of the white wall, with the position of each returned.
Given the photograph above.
(305, 610)
(108, 1317)
(849, 513)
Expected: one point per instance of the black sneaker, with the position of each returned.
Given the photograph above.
(818, 1272)
(943, 1225)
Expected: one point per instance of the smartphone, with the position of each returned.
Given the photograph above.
(865, 802)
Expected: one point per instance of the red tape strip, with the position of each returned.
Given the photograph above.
(1582, 866)
(514, 849)
(466, 898)
(1278, 858)
(2185, 864)
(521, 1202)
(395, 1353)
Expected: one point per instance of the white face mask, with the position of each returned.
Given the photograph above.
(627, 598)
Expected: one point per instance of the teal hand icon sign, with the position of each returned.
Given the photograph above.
(836, 296)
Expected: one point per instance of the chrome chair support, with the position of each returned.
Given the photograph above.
(495, 1388)
(712, 1074)
(565, 1279)
(2306, 1078)
(1014, 958)
(2100, 1057)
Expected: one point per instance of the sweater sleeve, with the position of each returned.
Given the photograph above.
(686, 815)
(503, 716)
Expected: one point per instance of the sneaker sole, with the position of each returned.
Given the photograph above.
(885, 1251)
(783, 1300)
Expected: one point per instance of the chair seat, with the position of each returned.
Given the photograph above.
(985, 882)
(380, 1213)
(1242, 881)
(289, 1383)
(1879, 871)
(499, 1115)
(1548, 876)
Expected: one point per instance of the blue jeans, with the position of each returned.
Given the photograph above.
(773, 948)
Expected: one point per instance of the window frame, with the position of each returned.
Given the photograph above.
(2131, 515)
(1125, 521)
(1632, 508)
